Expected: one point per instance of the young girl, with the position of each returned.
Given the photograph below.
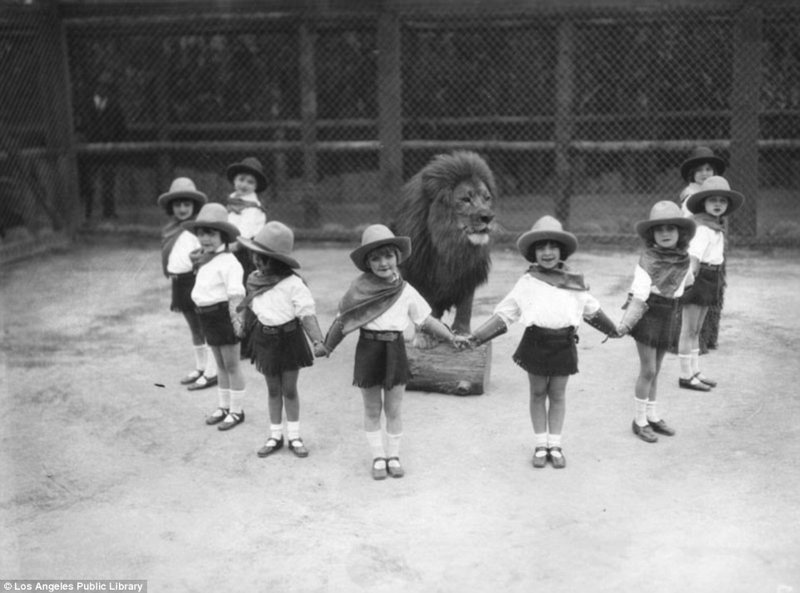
(379, 303)
(714, 201)
(182, 202)
(550, 299)
(282, 307)
(651, 312)
(217, 291)
(245, 211)
(700, 165)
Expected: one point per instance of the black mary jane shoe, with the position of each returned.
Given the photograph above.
(706, 380)
(396, 470)
(539, 461)
(693, 383)
(379, 471)
(217, 418)
(297, 447)
(644, 432)
(270, 447)
(662, 427)
(557, 461)
(231, 420)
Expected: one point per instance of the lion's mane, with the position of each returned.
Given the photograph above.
(444, 266)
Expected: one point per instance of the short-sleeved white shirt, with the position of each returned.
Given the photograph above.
(179, 261)
(410, 305)
(288, 299)
(251, 220)
(707, 245)
(642, 285)
(537, 303)
(218, 280)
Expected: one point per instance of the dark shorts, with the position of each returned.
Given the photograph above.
(275, 349)
(548, 352)
(182, 285)
(660, 325)
(380, 360)
(217, 326)
(707, 288)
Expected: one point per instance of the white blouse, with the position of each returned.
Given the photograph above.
(410, 305)
(286, 300)
(250, 221)
(707, 245)
(537, 303)
(218, 280)
(642, 285)
(178, 261)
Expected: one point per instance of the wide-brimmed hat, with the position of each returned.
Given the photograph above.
(275, 240)
(182, 188)
(714, 186)
(547, 228)
(378, 235)
(700, 155)
(252, 166)
(214, 216)
(665, 212)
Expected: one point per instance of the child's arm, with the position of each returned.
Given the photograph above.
(333, 337)
(601, 322)
(633, 313)
(311, 325)
(237, 318)
(491, 328)
(440, 330)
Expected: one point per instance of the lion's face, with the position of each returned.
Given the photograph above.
(472, 205)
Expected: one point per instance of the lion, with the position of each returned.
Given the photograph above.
(447, 210)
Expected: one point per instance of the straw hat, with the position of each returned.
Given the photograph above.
(378, 235)
(714, 186)
(276, 240)
(665, 212)
(182, 188)
(214, 216)
(547, 228)
(251, 166)
(700, 155)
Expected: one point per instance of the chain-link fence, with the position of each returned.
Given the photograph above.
(584, 113)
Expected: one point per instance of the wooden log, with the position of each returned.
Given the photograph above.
(443, 369)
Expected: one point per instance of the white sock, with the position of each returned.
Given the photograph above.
(393, 444)
(686, 365)
(695, 360)
(652, 415)
(276, 431)
(237, 396)
(224, 398)
(539, 439)
(553, 440)
(200, 357)
(375, 440)
(640, 408)
(210, 363)
(293, 430)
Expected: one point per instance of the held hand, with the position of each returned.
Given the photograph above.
(461, 342)
(238, 326)
(320, 351)
(622, 330)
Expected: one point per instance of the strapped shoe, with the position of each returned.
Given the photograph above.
(297, 447)
(270, 447)
(539, 457)
(191, 377)
(231, 420)
(706, 380)
(644, 432)
(203, 382)
(379, 471)
(661, 427)
(693, 383)
(217, 416)
(558, 461)
(395, 469)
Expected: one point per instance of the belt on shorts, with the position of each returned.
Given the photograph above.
(286, 328)
(564, 333)
(183, 275)
(213, 308)
(387, 336)
(711, 266)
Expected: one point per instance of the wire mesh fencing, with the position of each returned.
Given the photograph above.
(585, 114)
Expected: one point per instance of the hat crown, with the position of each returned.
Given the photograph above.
(182, 184)
(374, 233)
(701, 152)
(665, 210)
(213, 212)
(547, 223)
(275, 236)
(253, 163)
(715, 183)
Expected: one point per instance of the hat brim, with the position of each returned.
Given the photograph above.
(197, 197)
(226, 228)
(236, 168)
(717, 162)
(253, 245)
(694, 203)
(359, 255)
(686, 223)
(568, 240)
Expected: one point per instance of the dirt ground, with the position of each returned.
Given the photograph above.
(108, 474)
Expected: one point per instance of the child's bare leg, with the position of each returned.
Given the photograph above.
(689, 344)
(392, 407)
(557, 394)
(373, 405)
(290, 395)
(275, 402)
(648, 369)
(538, 404)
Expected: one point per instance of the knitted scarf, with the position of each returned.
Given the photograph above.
(169, 235)
(666, 267)
(711, 222)
(367, 298)
(200, 258)
(560, 277)
(258, 283)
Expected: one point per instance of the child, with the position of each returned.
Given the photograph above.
(217, 291)
(700, 165)
(706, 250)
(182, 202)
(379, 303)
(245, 211)
(550, 299)
(282, 306)
(651, 312)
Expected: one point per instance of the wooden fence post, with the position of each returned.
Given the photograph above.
(390, 111)
(308, 106)
(745, 130)
(565, 88)
(164, 170)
